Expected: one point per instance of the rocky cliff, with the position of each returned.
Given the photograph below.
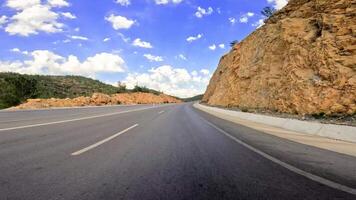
(302, 61)
(99, 99)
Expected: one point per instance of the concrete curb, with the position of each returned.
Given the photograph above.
(339, 132)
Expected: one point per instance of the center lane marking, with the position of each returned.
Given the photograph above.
(160, 112)
(102, 142)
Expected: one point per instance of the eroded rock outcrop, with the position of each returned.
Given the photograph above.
(301, 61)
(99, 99)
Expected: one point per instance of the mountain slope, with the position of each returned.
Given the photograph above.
(17, 88)
(302, 61)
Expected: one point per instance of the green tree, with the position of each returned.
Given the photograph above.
(268, 11)
(232, 44)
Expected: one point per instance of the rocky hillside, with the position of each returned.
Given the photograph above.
(99, 99)
(302, 61)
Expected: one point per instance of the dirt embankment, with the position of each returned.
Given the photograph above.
(99, 99)
(302, 61)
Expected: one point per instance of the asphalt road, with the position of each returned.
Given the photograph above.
(156, 152)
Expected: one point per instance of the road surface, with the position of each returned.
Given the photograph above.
(156, 152)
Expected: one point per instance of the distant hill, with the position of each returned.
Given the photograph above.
(195, 98)
(17, 88)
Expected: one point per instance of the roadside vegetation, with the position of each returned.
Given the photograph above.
(268, 11)
(17, 88)
(195, 98)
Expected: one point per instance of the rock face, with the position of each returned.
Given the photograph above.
(302, 61)
(98, 99)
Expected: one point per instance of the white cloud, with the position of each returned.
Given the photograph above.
(17, 50)
(22, 4)
(222, 46)
(203, 12)
(278, 4)
(193, 38)
(181, 56)
(77, 37)
(124, 38)
(58, 3)
(47, 62)
(259, 23)
(68, 15)
(123, 2)
(232, 20)
(139, 43)
(245, 17)
(250, 14)
(163, 2)
(152, 58)
(106, 39)
(205, 71)
(3, 20)
(212, 47)
(120, 22)
(173, 81)
(33, 16)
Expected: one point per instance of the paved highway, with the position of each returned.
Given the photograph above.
(159, 152)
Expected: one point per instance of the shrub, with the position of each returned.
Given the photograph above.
(268, 11)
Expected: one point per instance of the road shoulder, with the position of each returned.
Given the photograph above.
(330, 165)
(343, 147)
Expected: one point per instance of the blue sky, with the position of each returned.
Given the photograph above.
(170, 45)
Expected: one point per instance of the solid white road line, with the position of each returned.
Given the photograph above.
(288, 166)
(77, 119)
(160, 112)
(102, 141)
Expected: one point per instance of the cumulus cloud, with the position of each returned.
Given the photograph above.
(181, 56)
(33, 16)
(163, 2)
(222, 46)
(22, 4)
(68, 15)
(232, 20)
(3, 20)
(245, 17)
(212, 47)
(123, 2)
(173, 81)
(278, 4)
(120, 22)
(152, 58)
(77, 37)
(47, 62)
(58, 3)
(193, 38)
(205, 71)
(106, 39)
(201, 12)
(259, 23)
(17, 50)
(139, 43)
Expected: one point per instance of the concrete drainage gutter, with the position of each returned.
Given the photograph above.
(339, 132)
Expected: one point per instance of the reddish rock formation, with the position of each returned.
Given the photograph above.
(98, 99)
(302, 61)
